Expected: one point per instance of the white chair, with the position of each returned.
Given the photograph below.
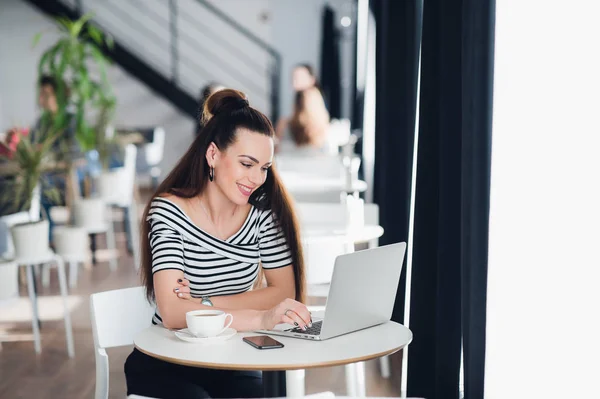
(32, 248)
(9, 285)
(90, 214)
(116, 188)
(150, 156)
(116, 317)
(71, 243)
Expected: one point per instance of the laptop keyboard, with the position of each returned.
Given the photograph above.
(314, 330)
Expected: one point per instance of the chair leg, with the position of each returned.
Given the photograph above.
(34, 310)
(73, 269)
(62, 279)
(294, 383)
(112, 246)
(93, 247)
(46, 275)
(384, 363)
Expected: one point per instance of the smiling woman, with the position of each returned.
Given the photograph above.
(220, 216)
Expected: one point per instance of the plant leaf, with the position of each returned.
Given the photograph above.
(95, 34)
(78, 25)
(101, 61)
(36, 39)
(65, 24)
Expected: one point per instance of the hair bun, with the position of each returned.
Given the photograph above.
(224, 102)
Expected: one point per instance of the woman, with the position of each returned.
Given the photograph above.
(219, 213)
(310, 122)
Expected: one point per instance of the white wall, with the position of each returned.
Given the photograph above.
(544, 264)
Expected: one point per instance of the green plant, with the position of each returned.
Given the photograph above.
(27, 169)
(70, 61)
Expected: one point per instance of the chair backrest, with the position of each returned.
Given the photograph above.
(129, 174)
(116, 186)
(70, 242)
(154, 151)
(90, 213)
(31, 240)
(118, 315)
(319, 259)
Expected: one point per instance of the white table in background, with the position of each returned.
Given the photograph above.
(302, 185)
(234, 354)
(366, 233)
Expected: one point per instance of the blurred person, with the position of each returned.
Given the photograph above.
(204, 94)
(309, 124)
(303, 78)
(221, 211)
(65, 144)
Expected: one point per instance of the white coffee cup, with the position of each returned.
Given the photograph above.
(207, 323)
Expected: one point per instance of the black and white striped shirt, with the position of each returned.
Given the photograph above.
(214, 266)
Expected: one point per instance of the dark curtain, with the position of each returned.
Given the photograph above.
(398, 35)
(330, 63)
(449, 274)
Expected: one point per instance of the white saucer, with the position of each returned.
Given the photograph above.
(187, 336)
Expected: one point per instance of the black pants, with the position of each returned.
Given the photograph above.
(148, 376)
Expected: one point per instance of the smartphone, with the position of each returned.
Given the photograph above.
(263, 342)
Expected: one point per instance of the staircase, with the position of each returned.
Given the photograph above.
(176, 47)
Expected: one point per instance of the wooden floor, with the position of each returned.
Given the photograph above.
(23, 374)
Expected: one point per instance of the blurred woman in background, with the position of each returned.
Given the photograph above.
(305, 127)
(310, 122)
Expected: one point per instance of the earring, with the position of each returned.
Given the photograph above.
(211, 173)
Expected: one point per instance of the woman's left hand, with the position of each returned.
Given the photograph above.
(182, 290)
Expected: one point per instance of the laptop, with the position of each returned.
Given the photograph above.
(362, 294)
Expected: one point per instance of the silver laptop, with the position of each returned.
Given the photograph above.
(362, 294)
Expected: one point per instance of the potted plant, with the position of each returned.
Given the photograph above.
(81, 96)
(23, 180)
(24, 173)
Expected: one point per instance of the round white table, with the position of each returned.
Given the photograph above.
(314, 233)
(234, 354)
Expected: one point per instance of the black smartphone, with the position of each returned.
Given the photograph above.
(263, 342)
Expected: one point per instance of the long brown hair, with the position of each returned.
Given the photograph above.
(224, 112)
(310, 121)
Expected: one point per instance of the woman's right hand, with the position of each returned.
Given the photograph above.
(289, 311)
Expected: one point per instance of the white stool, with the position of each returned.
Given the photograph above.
(32, 248)
(90, 214)
(71, 243)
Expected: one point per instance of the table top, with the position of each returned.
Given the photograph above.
(315, 233)
(234, 354)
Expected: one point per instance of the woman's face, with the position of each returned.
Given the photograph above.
(302, 79)
(242, 168)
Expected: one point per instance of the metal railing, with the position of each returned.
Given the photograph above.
(189, 50)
